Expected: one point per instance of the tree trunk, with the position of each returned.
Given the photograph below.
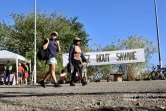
(131, 73)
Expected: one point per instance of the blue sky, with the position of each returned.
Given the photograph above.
(104, 20)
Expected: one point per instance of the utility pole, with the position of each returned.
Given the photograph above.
(34, 43)
(158, 35)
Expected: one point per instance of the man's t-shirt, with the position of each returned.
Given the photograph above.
(8, 67)
(20, 69)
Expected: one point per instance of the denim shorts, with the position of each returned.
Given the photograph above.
(20, 74)
(84, 71)
(52, 61)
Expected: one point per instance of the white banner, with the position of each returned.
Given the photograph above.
(111, 57)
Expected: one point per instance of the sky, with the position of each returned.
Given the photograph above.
(103, 20)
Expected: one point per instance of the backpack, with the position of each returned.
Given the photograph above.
(42, 54)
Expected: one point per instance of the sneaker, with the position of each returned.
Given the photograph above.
(84, 83)
(72, 84)
(57, 85)
(42, 83)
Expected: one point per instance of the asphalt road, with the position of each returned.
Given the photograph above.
(108, 96)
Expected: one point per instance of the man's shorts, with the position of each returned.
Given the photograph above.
(20, 74)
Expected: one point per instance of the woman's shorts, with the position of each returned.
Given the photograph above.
(52, 61)
(26, 74)
(20, 74)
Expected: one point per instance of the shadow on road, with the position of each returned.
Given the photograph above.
(27, 94)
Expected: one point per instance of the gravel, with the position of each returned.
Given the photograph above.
(102, 96)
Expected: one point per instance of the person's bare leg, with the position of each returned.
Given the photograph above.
(47, 76)
(83, 76)
(52, 71)
(21, 81)
(18, 80)
(86, 77)
(25, 81)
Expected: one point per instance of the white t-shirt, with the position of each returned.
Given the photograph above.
(62, 75)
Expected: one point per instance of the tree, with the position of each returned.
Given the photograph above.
(19, 36)
(134, 42)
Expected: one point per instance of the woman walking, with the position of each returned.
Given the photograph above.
(52, 47)
(75, 57)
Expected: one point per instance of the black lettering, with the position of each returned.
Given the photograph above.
(102, 57)
(88, 59)
(124, 56)
(117, 55)
(129, 55)
(97, 58)
(133, 55)
(108, 57)
(121, 56)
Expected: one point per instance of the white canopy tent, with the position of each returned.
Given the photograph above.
(13, 58)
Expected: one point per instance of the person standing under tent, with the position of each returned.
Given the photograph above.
(8, 71)
(20, 74)
(25, 66)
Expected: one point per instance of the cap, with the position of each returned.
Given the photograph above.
(77, 39)
(54, 32)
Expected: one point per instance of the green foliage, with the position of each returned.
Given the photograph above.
(19, 36)
(133, 42)
(144, 76)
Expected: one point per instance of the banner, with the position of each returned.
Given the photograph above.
(111, 57)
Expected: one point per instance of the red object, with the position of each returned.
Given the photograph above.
(26, 74)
